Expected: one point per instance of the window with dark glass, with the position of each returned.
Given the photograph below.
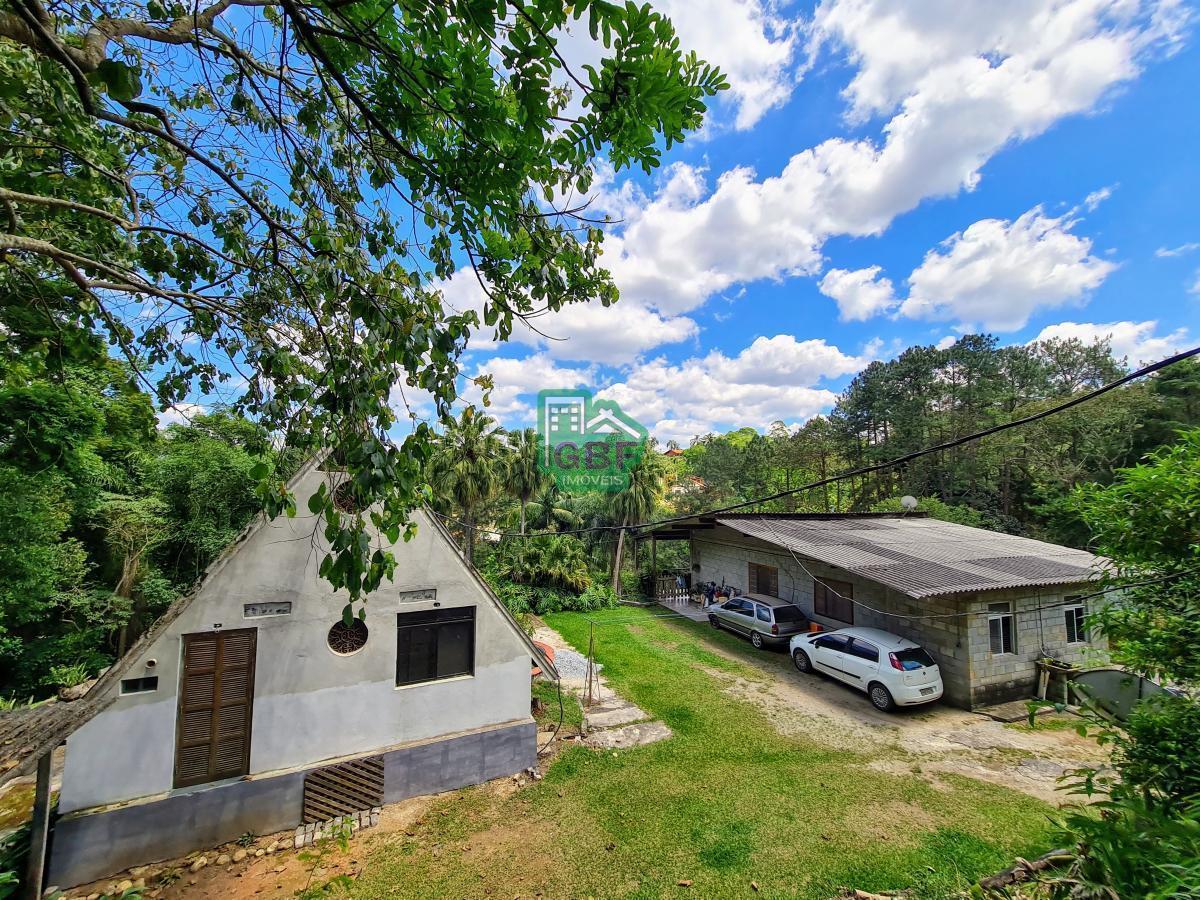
(835, 642)
(834, 599)
(860, 648)
(435, 644)
(764, 614)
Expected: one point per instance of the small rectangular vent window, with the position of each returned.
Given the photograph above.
(262, 610)
(419, 596)
(139, 685)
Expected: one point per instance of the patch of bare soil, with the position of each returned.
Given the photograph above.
(281, 872)
(923, 741)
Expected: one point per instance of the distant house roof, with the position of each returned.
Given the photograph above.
(913, 554)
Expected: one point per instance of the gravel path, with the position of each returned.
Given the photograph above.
(571, 664)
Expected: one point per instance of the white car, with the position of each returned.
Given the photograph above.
(892, 670)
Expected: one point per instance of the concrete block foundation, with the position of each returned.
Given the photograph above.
(90, 845)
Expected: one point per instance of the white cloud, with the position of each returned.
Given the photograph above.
(752, 43)
(1194, 288)
(774, 378)
(959, 80)
(1095, 198)
(517, 382)
(180, 413)
(996, 273)
(1137, 341)
(1181, 250)
(860, 294)
(613, 335)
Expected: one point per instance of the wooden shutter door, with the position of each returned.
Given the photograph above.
(216, 698)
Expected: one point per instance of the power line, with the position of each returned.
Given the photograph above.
(874, 467)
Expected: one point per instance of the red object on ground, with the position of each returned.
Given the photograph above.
(546, 649)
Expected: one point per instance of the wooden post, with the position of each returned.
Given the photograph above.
(653, 567)
(35, 868)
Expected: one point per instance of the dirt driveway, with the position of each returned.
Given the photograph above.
(924, 741)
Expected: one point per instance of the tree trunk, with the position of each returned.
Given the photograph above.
(124, 588)
(523, 502)
(616, 576)
(469, 538)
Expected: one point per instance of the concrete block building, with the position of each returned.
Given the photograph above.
(986, 605)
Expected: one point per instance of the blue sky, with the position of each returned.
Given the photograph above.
(883, 174)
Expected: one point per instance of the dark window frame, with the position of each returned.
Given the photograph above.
(763, 579)
(411, 667)
(826, 601)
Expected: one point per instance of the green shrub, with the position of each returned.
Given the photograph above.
(1158, 752)
(598, 596)
(523, 599)
(549, 561)
(1132, 849)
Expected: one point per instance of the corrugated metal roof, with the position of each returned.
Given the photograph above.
(922, 557)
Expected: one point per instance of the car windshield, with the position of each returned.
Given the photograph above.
(914, 658)
(788, 614)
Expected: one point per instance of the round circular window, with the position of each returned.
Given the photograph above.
(345, 639)
(344, 498)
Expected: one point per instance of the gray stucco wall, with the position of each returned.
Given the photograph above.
(310, 704)
(971, 674)
(91, 846)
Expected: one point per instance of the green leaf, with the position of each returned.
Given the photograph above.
(119, 80)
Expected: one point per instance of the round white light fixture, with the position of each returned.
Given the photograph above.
(908, 501)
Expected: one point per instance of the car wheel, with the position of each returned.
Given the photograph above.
(714, 621)
(881, 697)
(803, 663)
(756, 640)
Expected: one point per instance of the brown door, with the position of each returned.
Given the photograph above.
(216, 696)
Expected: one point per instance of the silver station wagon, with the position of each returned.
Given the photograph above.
(767, 621)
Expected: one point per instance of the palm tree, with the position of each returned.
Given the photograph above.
(551, 508)
(526, 478)
(636, 503)
(468, 468)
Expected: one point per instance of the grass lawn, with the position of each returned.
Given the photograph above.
(725, 802)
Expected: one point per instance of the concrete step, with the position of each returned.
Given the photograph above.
(610, 715)
(629, 736)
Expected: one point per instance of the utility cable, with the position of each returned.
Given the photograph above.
(874, 467)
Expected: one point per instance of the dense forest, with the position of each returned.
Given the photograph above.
(105, 517)
(108, 517)
(1018, 481)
